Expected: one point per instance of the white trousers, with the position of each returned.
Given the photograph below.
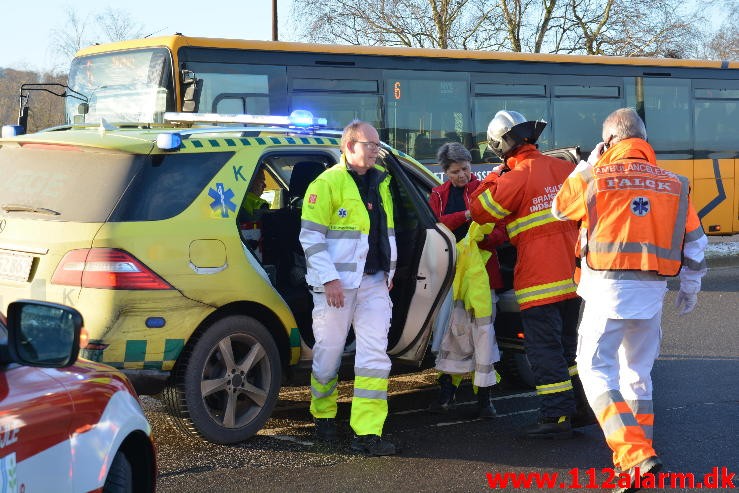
(617, 354)
(469, 345)
(368, 308)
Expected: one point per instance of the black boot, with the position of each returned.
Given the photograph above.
(484, 404)
(584, 415)
(373, 445)
(550, 428)
(445, 401)
(325, 429)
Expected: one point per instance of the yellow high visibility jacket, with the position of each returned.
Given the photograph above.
(471, 278)
(335, 227)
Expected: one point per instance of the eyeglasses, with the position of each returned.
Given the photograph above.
(608, 142)
(372, 146)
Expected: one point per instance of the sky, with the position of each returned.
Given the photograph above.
(25, 34)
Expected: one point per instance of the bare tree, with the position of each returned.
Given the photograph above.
(412, 23)
(67, 40)
(724, 43)
(48, 110)
(81, 30)
(611, 27)
(117, 25)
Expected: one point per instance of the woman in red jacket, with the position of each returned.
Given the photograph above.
(450, 203)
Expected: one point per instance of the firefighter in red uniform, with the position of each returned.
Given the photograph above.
(638, 226)
(520, 199)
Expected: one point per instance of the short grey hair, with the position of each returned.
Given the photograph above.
(452, 152)
(350, 132)
(624, 123)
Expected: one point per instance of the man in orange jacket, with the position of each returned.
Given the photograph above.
(638, 226)
(520, 200)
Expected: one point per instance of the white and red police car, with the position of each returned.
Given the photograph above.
(66, 425)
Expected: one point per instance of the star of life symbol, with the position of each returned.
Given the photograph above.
(342, 212)
(640, 206)
(222, 199)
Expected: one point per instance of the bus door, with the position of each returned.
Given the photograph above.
(716, 126)
(338, 94)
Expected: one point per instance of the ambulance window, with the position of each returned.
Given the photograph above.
(167, 184)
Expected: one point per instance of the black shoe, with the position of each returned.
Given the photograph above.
(484, 404)
(446, 400)
(325, 429)
(372, 445)
(549, 428)
(651, 465)
(583, 417)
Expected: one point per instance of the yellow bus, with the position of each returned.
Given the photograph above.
(420, 98)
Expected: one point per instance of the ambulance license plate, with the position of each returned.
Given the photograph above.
(15, 266)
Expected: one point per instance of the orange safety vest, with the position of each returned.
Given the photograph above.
(521, 200)
(636, 213)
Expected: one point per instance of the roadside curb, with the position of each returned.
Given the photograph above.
(722, 253)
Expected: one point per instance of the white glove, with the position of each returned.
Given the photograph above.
(596, 153)
(687, 301)
(500, 169)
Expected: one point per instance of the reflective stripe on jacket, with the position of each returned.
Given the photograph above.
(521, 199)
(635, 213)
(335, 227)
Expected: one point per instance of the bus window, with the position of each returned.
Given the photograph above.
(579, 111)
(485, 108)
(716, 121)
(224, 87)
(227, 103)
(667, 116)
(340, 109)
(425, 110)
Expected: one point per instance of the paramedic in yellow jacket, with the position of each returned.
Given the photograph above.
(347, 233)
(638, 227)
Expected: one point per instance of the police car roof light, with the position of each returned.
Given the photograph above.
(298, 118)
(169, 141)
(9, 131)
(304, 118)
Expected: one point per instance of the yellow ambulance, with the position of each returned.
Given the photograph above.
(145, 229)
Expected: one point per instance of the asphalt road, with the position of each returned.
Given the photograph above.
(696, 405)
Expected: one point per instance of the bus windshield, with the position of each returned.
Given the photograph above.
(128, 86)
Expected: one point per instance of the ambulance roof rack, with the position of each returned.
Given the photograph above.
(300, 121)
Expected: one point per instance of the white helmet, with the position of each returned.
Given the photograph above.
(509, 129)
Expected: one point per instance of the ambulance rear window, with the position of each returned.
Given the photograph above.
(75, 184)
(86, 185)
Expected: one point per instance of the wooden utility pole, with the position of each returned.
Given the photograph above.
(274, 20)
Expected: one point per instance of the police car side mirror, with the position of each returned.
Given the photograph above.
(43, 334)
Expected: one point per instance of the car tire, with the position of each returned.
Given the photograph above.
(227, 381)
(516, 369)
(120, 475)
